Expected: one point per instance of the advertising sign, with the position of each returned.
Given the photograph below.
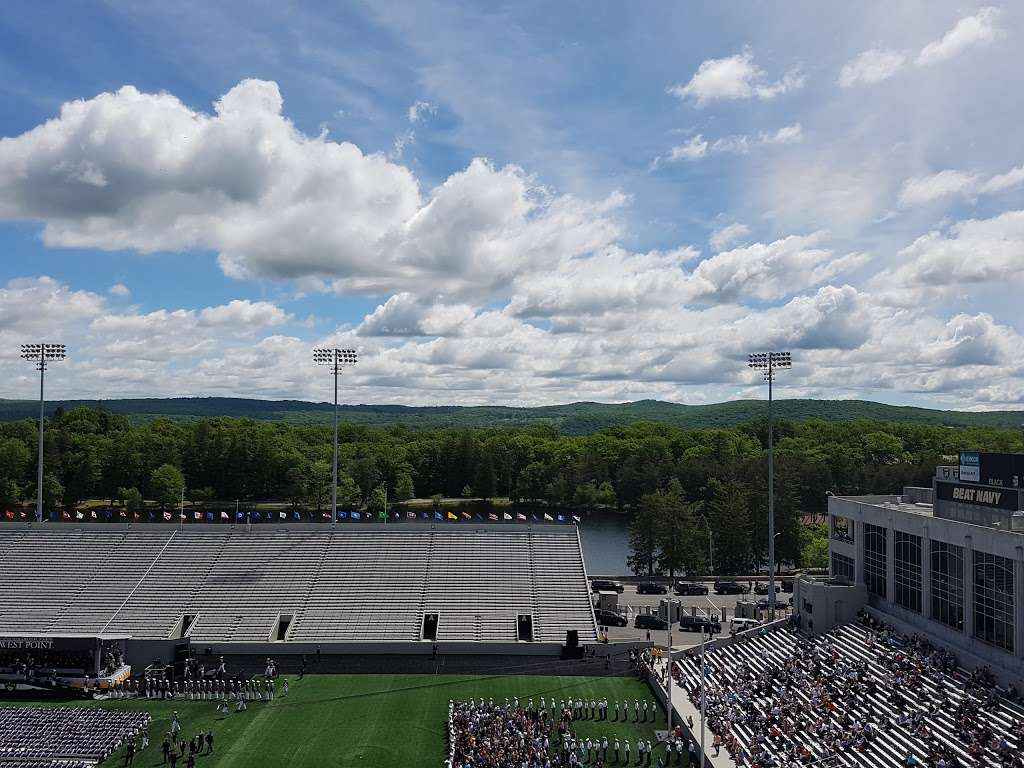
(970, 467)
(979, 495)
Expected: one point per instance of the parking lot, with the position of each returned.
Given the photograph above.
(630, 603)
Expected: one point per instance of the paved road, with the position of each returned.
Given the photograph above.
(631, 603)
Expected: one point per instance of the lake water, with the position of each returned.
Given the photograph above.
(605, 539)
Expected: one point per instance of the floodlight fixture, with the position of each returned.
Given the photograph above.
(42, 354)
(335, 359)
(768, 363)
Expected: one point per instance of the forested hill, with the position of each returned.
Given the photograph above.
(571, 419)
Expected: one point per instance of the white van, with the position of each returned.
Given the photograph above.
(742, 625)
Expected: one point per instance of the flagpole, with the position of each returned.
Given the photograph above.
(181, 509)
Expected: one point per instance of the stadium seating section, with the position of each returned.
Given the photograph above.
(933, 699)
(63, 737)
(366, 584)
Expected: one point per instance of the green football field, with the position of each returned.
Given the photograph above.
(367, 720)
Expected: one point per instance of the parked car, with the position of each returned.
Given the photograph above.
(787, 585)
(690, 588)
(730, 588)
(761, 588)
(610, 618)
(604, 585)
(764, 604)
(698, 624)
(651, 588)
(742, 625)
(649, 621)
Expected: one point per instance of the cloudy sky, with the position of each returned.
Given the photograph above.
(519, 204)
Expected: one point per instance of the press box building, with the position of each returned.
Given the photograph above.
(946, 561)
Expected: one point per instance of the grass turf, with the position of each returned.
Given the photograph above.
(366, 720)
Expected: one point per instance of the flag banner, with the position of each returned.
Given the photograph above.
(225, 516)
(184, 516)
(411, 515)
(256, 516)
(467, 516)
(534, 518)
(53, 514)
(506, 516)
(561, 518)
(575, 518)
(65, 516)
(209, 517)
(123, 515)
(492, 517)
(108, 514)
(297, 515)
(520, 516)
(438, 516)
(478, 517)
(239, 515)
(283, 515)
(452, 516)
(9, 515)
(342, 514)
(424, 515)
(135, 516)
(22, 514)
(548, 518)
(326, 515)
(79, 516)
(382, 515)
(93, 514)
(167, 515)
(356, 515)
(198, 515)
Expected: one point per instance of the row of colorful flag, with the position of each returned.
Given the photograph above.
(195, 516)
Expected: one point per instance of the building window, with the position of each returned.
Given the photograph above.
(842, 529)
(948, 584)
(842, 567)
(993, 600)
(874, 558)
(907, 587)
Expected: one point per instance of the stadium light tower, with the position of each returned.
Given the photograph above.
(767, 363)
(41, 355)
(335, 359)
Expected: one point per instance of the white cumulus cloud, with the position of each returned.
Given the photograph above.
(731, 78)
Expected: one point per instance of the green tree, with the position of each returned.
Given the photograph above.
(53, 491)
(728, 512)
(131, 498)
(377, 503)
(813, 546)
(404, 487)
(467, 491)
(166, 484)
(643, 535)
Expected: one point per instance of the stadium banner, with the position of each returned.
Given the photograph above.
(970, 467)
(453, 517)
(985, 496)
(506, 516)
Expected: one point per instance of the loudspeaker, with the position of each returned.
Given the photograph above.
(572, 648)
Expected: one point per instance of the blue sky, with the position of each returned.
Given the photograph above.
(515, 203)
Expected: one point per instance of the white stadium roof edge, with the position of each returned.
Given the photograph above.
(305, 583)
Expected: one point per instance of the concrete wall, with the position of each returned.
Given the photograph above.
(822, 604)
(918, 522)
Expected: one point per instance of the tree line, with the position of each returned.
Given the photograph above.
(684, 488)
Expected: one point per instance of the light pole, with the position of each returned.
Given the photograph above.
(668, 687)
(335, 359)
(767, 362)
(41, 354)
